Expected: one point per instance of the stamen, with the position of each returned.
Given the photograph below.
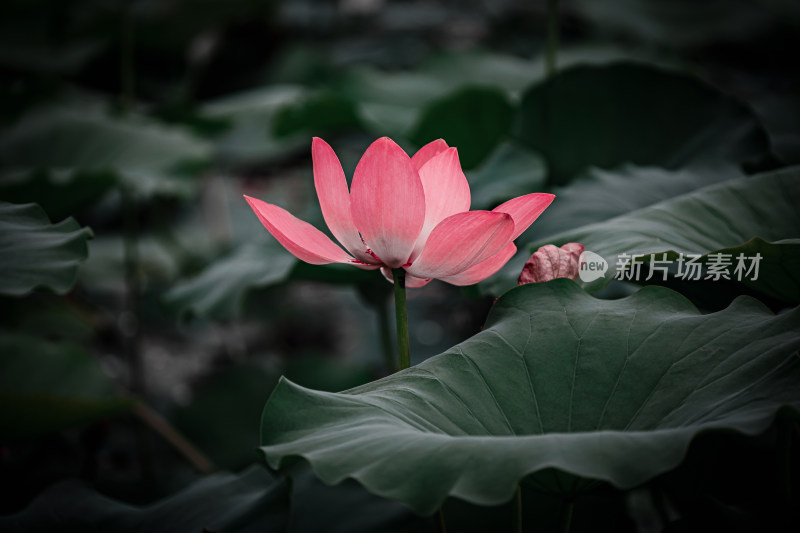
(369, 251)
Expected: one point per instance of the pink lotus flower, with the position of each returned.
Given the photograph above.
(550, 262)
(403, 212)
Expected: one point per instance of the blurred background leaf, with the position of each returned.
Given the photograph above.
(36, 253)
(248, 502)
(605, 116)
(147, 157)
(218, 292)
(475, 119)
(511, 170)
(47, 386)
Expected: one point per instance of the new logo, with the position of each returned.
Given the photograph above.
(592, 266)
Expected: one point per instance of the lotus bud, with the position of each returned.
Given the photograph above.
(551, 262)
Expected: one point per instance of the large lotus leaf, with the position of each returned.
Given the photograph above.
(35, 253)
(744, 216)
(252, 502)
(558, 387)
(47, 386)
(474, 119)
(597, 195)
(627, 112)
(148, 157)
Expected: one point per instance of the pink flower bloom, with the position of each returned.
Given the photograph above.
(550, 262)
(403, 212)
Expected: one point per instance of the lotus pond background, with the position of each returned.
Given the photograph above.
(147, 316)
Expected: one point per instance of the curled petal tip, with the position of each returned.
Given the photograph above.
(525, 209)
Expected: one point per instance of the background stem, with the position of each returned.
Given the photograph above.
(566, 516)
(401, 316)
(518, 506)
(157, 423)
(126, 70)
(552, 38)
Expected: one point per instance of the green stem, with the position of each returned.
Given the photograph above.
(442, 528)
(518, 506)
(552, 38)
(566, 516)
(401, 315)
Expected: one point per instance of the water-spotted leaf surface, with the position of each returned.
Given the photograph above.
(557, 382)
(47, 386)
(37, 254)
(250, 502)
(474, 119)
(609, 115)
(219, 290)
(745, 216)
(149, 158)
